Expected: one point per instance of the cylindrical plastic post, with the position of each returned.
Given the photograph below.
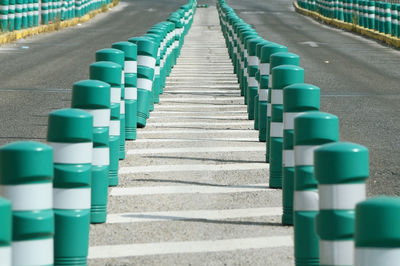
(111, 73)
(70, 135)
(118, 57)
(26, 174)
(11, 15)
(377, 234)
(156, 81)
(388, 18)
(4, 4)
(252, 68)
(282, 76)
(297, 99)
(130, 51)
(93, 96)
(5, 232)
(341, 170)
(311, 130)
(44, 12)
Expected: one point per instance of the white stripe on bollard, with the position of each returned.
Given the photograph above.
(145, 84)
(252, 61)
(101, 117)
(288, 158)
(264, 69)
(71, 199)
(29, 197)
(5, 255)
(277, 96)
(288, 120)
(101, 156)
(305, 200)
(341, 196)
(304, 154)
(72, 153)
(336, 252)
(252, 82)
(377, 256)
(115, 95)
(122, 107)
(35, 252)
(130, 93)
(263, 95)
(114, 128)
(146, 61)
(276, 130)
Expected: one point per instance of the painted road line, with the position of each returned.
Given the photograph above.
(238, 117)
(197, 150)
(198, 131)
(197, 123)
(188, 189)
(208, 87)
(149, 140)
(139, 217)
(197, 112)
(193, 106)
(148, 249)
(193, 168)
(197, 99)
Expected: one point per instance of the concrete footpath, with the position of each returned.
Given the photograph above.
(194, 187)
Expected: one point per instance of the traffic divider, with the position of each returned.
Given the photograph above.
(6, 231)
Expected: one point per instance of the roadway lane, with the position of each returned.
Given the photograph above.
(359, 81)
(37, 74)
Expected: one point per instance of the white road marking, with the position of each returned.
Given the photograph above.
(198, 131)
(196, 150)
(147, 140)
(193, 168)
(198, 106)
(147, 249)
(199, 112)
(197, 99)
(197, 123)
(232, 117)
(139, 217)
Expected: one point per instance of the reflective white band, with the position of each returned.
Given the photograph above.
(122, 107)
(157, 70)
(245, 53)
(252, 82)
(147, 61)
(19, 15)
(277, 96)
(71, 198)
(263, 95)
(306, 200)
(269, 110)
(33, 252)
(72, 153)
(276, 129)
(101, 117)
(288, 158)
(3, 8)
(29, 197)
(341, 196)
(369, 256)
(43, 12)
(264, 69)
(246, 75)
(114, 128)
(21, 6)
(122, 77)
(144, 84)
(387, 10)
(270, 81)
(30, 5)
(5, 255)
(304, 154)
(11, 16)
(101, 156)
(115, 95)
(337, 252)
(130, 93)
(252, 61)
(288, 120)
(130, 67)
(242, 65)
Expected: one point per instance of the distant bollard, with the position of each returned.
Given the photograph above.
(266, 52)
(159, 72)
(246, 77)
(311, 130)
(371, 15)
(26, 175)
(111, 73)
(5, 232)
(156, 82)
(341, 170)
(130, 51)
(297, 99)
(377, 234)
(93, 96)
(388, 18)
(146, 63)
(118, 57)
(395, 20)
(70, 134)
(282, 76)
(11, 15)
(4, 4)
(252, 68)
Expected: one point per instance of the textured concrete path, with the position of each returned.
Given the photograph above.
(193, 189)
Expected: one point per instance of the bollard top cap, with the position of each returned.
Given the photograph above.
(259, 46)
(301, 97)
(270, 49)
(252, 45)
(154, 37)
(145, 46)
(91, 94)
(341, 163)
(315, 128)
(377, 223)
(284, 58)
(106, 71)
(70, 125)
(112, 55)
(129, 49)
(26, 162)
(285, 75)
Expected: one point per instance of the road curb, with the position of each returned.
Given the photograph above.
(20, 34)
(385, 38)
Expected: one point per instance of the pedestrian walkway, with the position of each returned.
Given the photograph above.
(194, 187)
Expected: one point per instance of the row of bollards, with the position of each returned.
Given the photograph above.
(323, 179)
(53, 192)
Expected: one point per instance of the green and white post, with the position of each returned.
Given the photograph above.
(297, 99)
(111, 73)
(70, 134)
(341, 169)
(5, 232)
(252, 68)
(93, 96)
(26, 180)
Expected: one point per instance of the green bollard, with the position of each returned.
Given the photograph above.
(252, 68)
(341, 169)
(93, 96)
(11, 15)
(30, 13)
(4, 4)
(130, 91)
(388, 18)
(35, 13)
(70, 134)
(18, 14)
(156, 82)
(159, 73)
(377, 234)
(5, 232)
(297, 99)
(26, 174)
(265, 67)
(246, 77)
(395, 20)
(311, 130)
(282, 76)
(118, 57)
(111, 73)
(44, 13)
(146, 62)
